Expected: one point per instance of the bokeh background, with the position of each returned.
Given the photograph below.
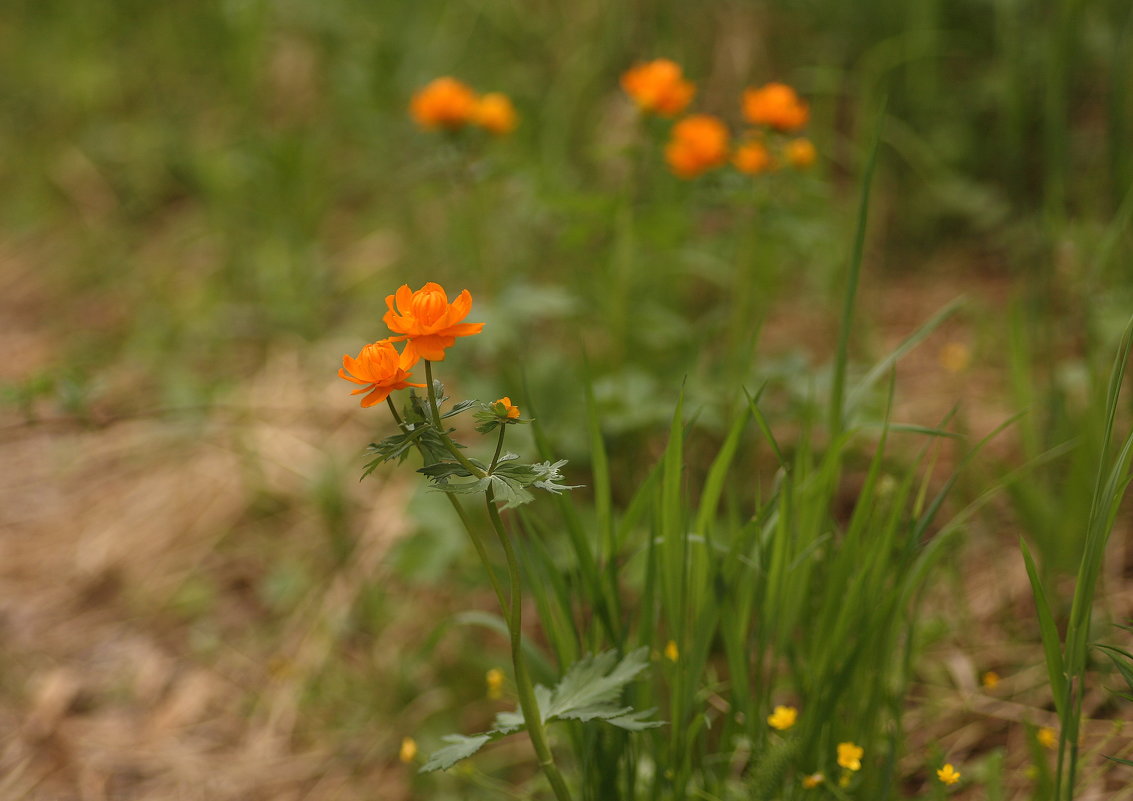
(204, 205)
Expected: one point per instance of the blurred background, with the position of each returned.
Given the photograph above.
(205, 204)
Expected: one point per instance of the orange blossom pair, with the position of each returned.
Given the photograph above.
(427, 323)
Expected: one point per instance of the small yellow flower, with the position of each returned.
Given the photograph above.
(783, 717)
(990, 680)
(408, 750)
(955, 357)
(494, 678)
(672, 653)
(813, 780)
(1046, 737)
(850, 756)
(801, 153)
(948, 774)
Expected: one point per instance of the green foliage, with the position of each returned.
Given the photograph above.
(589, 691)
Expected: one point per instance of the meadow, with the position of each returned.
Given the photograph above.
(789, 461)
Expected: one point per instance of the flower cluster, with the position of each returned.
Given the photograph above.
(426, 322)
(701, 142)
(449, 104)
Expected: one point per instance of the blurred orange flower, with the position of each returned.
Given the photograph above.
(494, 112)
(443, 103)
(752, 157)
(801, 153)
(428, 320)
(658, 86)
(698, 143)
(380, 369)
(777, 105)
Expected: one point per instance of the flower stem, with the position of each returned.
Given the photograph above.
(477, 540)
(436, 412)
(499, 448)
(524, 688)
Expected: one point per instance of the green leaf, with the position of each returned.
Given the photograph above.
(549, 476)
(457, 408)
(634, 720)
(460, 747)
(595, 681)
(1056, 672)
(509, 491)
(1122, 660)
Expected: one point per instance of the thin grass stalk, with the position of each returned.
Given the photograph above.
(837, 411)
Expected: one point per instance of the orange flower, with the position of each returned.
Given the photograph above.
(752, 157)
(428, 320)
(494, 112)
(443, 103)
(505, 407)
(777, 105)
(380, 369)
(699, 143)
(801, 153)
(658, 86)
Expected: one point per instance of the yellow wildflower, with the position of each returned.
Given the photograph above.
(1046, 737)
(494, 678)
(672, 653)
(990, 680)
(955, 357)
(408, 750)
(948, 774)
(850, 756)
(783, 717)
(812, 781)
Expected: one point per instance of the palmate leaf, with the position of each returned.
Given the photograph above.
(595, 681)
(589, 691)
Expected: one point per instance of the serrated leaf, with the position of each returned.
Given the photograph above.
(460, 747)
(594, 681)
(598, 712)
(508, 722)
(457, 408)
(549, 476)
(445, 470)
(634, 721)
(509, 492)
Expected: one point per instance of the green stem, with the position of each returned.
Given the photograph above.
(477, 540)
(524, 688)
(499, 448)
(436, 412)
